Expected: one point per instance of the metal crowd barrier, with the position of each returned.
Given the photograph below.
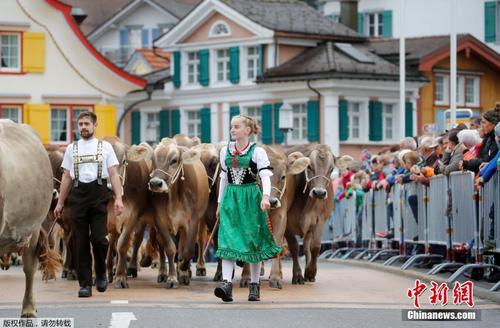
(450, 212)
(484, 200)
(405, 226)
(344, 226)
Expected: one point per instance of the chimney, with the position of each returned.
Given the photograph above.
(78, 14)
(349, 14)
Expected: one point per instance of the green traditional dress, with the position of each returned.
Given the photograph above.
(244, 234)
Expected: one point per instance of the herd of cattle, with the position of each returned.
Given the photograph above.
(170, 197)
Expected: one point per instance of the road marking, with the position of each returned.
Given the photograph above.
(119, 302)
(121, 319)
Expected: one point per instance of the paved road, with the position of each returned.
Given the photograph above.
(343, 296)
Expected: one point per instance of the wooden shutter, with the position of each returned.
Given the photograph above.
(375, 121)
(234, 65)
(136, 128)
(205, 125)
(203, 55)
(267, 123)
(313, 120)
(343, 120)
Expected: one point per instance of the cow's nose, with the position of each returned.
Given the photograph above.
(273, 202)
(155, 183)
(319, 193)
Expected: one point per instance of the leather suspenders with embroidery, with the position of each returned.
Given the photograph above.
(85, 159)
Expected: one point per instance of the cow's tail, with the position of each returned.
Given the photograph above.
(50, 260)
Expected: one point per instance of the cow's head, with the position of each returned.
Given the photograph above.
(283, 166)
(209, 156)
(168, 165)
(120, 150)
(319, 171)
(56, 155)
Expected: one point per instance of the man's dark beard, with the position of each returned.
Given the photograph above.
(88, 137)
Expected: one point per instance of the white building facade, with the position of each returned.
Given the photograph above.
(380, 18)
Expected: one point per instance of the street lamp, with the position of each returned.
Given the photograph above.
(286, 120)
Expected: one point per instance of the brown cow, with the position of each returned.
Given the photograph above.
(179, 183)
(311, 207)
(25, 197)
(282, 193)
(56, 155)
(209, 156)
(136, 200)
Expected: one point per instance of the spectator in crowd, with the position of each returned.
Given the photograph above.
(442, 144)
(454, 154)
(475, 122)
(472, 142)
(411, 162)
(485, 174)
(489, 147)
(408, 143)
(427, 149)
(355, 189)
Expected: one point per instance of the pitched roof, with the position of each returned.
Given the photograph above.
(329, 61)
(101, 11)
(98, 11)
(290, 16)
(179, 8)
(424, 52)
(156, 62)
(416, 48)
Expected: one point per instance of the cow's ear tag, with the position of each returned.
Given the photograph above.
(299, 165)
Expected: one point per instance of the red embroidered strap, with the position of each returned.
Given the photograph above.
(236, 153)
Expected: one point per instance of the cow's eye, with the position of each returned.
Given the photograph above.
(283, 177)
(173, 161)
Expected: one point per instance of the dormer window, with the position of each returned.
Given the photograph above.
(219, 28)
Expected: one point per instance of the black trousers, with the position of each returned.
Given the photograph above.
(88, 203)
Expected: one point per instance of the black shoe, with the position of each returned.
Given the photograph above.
(224, 291)
(85, 291)
(254, 292)
(101, 284)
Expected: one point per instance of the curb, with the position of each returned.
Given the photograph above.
(478, 291)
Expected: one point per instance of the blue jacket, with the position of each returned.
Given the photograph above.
(391, 179)
(489, 170)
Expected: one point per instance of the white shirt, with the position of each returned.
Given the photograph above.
(87, 172)
(259, 157)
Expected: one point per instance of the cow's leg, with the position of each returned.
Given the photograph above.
(170, 249)
(162, 275)
(293, 246)
(186, 250)
(149, 252)
(307, 246)
(122, 247)
(279, 226)
(201, 270)
(113, 237)
(245, 276)
(30, 264)
(315, 245)
(139, 235)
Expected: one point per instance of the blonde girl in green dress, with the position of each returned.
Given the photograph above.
(244, 234)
